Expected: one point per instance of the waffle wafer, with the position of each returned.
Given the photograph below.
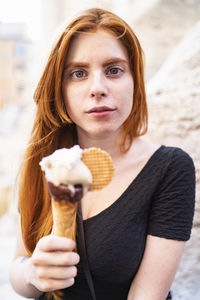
(100, 165)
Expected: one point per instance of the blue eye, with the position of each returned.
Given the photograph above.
(114, 71)
(78, 74)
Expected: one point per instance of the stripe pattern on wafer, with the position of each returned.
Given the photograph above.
(100, 165)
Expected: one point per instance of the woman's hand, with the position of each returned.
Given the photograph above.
(52, 265)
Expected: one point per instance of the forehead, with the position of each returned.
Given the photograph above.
(100, 43)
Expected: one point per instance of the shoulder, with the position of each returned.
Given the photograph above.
(162, 158)
(177, 171)
(172, 206)
(171, 164)
(177, 158)
(175, 151)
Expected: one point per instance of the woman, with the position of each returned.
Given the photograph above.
(92, 93)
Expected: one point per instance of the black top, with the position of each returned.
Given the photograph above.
(159, 202)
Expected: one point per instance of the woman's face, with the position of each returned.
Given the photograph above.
(97, 84)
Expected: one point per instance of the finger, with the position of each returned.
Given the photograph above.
(56, 258)
(55, 243)
(52, 284)
(56, 273)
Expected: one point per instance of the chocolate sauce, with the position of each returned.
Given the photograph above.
(62, 192)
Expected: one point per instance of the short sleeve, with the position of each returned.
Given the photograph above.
(172, 209)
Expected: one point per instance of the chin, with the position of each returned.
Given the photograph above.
(102, 133)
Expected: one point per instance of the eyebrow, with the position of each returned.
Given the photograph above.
(115, 60)
(110, 61)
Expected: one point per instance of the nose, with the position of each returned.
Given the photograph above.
(98, 86)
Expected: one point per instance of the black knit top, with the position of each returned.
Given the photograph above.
(159, 202)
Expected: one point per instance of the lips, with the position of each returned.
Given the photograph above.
(100, 111)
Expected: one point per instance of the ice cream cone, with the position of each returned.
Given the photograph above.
(64, 218)
(69, 174)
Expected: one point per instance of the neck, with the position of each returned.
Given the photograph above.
(110, 144)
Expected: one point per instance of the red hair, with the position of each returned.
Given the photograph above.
(52, 127)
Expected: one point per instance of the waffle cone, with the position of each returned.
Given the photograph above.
(64, 218)
(100, 165)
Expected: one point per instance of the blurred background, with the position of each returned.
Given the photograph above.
(169, 31)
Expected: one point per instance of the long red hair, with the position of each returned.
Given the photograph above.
(52, 127)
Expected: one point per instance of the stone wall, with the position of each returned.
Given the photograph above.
(174, 102)
(162, 27)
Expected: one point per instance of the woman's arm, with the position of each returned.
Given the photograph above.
(19, 269)
(51, 266)
(157, 270)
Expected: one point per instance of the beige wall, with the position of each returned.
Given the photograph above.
(13, 77)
